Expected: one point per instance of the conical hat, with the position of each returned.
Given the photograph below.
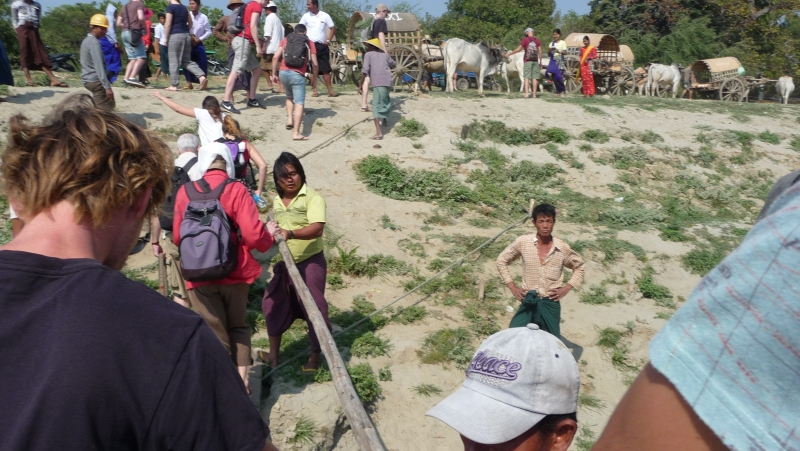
(374, 42)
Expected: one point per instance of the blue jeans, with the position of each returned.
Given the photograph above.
(133, 52)
(295, 86)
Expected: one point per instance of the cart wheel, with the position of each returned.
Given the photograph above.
(732, 90)
(409, 66)
(462, 84)
(571, 67)
(338, 67)
(664, 91)
(496, 87)
(623, 84)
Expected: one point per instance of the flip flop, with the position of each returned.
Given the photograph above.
(59, 85)
(316, 94)
(188, 88)
(304, 370)
(171, 89)
(377, 138)
(335, 94)
(289, 126)
(30, 83)
(304, 138)
(365, 110)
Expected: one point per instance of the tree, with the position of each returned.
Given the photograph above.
(7, 33)
(485, 20)
(64, 27)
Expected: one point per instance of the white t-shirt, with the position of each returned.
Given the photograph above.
(193, 173)
(273, 29)
(158, 33)
(208, 129)
(317, 26)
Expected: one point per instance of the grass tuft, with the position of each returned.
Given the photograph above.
(387, 223)
(769, 137)
(426, 390)
(447, 345)
(652, 290)
(371, 345)
(385, 374)
(595, 136)
(410, 128)
(304, 431)
(365, 382)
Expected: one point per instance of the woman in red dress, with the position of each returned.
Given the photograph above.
(588, 53)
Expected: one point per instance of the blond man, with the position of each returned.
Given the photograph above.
(117, 366)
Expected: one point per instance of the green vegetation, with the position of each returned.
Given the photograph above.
(708, 255)
(448, 345)
(627, 157)
(596, 295)
(590, 402)
(595, 136)
(335, 281)
(365, 382)
(426, 390)
(611, 248)
(647, 137)
(304, 431)
(496, 131)
(385, 374)
(437, 218)
(382, 176)
(585, 440)
(795, 143)
(410, 128)
(138, 274)
(609, 338)
(769, 137)
(418, 146)
(371, 345)
(387, 223)
(652, 290)
(173, 132)
(410, 314)
(352, 264)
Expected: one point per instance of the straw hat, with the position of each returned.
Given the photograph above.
(232, 4)
(99, 20)
(375, 42)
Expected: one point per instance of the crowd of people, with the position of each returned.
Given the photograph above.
(143, 373)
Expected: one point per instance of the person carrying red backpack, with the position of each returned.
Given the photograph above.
(223, 302)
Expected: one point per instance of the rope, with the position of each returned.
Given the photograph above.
(422, 284)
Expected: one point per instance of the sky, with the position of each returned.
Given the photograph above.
(434, 7)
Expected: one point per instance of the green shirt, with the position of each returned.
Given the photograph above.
(306, 208)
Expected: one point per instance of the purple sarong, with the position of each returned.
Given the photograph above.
(282, 306)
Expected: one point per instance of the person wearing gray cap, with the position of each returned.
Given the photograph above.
(532, 60)
(520, 394)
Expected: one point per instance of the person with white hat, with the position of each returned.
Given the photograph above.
(520, 394)
(93, 65)
(532, 47)
(378, 30)
(273, 35)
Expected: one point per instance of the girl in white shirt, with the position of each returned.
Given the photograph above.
(209, 118)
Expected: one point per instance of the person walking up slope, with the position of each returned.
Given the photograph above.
(377, 68)
(321, 30)
(244, 60)
(93, 64)
(292, 57)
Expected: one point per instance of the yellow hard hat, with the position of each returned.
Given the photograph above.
(99, 20)
(374, 42)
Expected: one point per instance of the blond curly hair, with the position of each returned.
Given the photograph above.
(95, 159)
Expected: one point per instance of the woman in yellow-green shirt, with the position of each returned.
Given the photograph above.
(300, 216)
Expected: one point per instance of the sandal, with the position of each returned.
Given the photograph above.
(188, 87)
(365, 110)
(377, 138)
(30, 83)
(316, 94)
(304, 370)
(60, 84)
(171, 89)
(289, 126)
(335, 94)
(304, 138)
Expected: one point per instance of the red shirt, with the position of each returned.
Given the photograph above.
(301, 70)
(253, 7)
(242, 212)
(524, 43)
(146, 36)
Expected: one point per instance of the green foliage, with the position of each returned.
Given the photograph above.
(496, 131)
(795, 143)
(64, 27)
(590, 402)
(447, 345)
(627, 157)
(586, 438)
(137, 275)
(387, 223)
(597, 295)
(595, 136)
(173, 132)
(652, 290)
(702, 260)
(410, 128)
(769, 137)
(322, 375)
(410, 314)
(609, 338)
(426, 390)
(304, 431)
(611, 248)
(371, 345)
(335, 281)
(705, 156)
(413, 248)
(365, 382)
(476, 20)
(352, 264)
(385, 374)
(383, 177)
(256, 320)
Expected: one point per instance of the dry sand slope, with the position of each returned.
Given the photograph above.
(697, 155)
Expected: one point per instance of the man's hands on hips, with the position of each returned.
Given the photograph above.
(556, 294)
(518, 292)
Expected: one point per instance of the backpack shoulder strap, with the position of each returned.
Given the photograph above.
(190, 164)
(205, 192)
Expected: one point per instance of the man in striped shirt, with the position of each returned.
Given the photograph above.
(544, 258)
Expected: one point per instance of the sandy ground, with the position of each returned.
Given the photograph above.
(356, 213)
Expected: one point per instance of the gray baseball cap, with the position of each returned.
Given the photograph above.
(517, 377)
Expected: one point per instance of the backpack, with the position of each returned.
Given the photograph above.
(236, 20)
(239, 154)
(532, 52)
(366, 33)
(296, 52)
(179, 176)
(206, 246)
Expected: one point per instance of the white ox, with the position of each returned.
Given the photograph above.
(785, 87)
(660, 74)
(516, 66)
(479, 58)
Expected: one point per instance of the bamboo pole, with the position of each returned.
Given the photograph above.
(364, 431)
(162, 274)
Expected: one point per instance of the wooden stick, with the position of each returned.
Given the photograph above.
(162, 274)
(364, 431)
(530, 208)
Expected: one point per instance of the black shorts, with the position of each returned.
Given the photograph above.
(323, 58)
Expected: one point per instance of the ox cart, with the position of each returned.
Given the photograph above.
(724, 78)
(613, 68)
(405, 46)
